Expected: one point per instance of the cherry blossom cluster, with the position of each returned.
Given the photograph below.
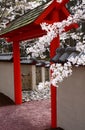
(59, 27)
(55, 29)
(80, 59)
(74, 35)
(59, 72)
(43, 85)
(41, 45)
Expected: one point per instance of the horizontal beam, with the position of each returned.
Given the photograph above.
(27, 32)
(25, 35)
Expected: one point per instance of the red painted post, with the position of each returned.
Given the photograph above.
(53, 46)
(17, 73)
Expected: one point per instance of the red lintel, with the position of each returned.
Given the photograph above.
(21, 36)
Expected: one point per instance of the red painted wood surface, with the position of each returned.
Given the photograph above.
(45, 13)
(24, 33)
(53, 46)
(17, 73)
(34, 33)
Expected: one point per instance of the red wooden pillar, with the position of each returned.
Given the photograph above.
(53, 46)
(17, 73)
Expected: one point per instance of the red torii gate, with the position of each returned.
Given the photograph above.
(55, 12)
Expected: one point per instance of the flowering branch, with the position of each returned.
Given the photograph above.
(59, 72)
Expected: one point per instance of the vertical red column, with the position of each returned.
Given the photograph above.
(53, 46)
(17, 73)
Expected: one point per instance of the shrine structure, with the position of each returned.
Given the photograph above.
(28, 27)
